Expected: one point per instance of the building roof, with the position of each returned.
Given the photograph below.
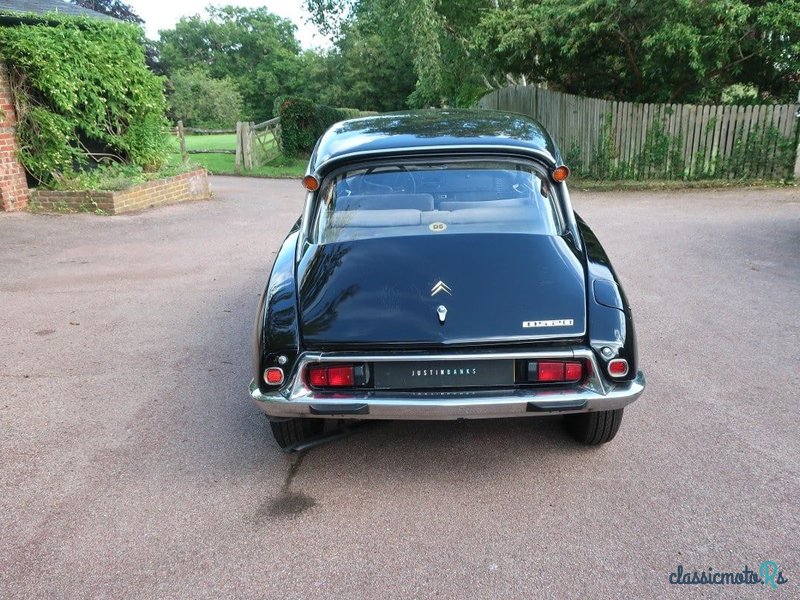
(42, 7)
(435, 131)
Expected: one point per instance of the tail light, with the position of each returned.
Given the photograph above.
(273, 375)
(618, 367)
(573, 371)
(318, 376)
(550, 371)
(336, 376)
(555, 371)
(341, 376)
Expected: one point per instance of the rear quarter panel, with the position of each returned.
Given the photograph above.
(276, 330)
(610, 318)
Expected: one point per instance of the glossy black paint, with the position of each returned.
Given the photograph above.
(426, 131)
(276, 331)
(377, 292)
(609, 314)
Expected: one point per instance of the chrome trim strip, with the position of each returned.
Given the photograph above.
(295, 400)
(569, 213)
(305, 224)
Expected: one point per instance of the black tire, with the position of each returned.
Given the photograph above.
(294, 431)
(594, 428)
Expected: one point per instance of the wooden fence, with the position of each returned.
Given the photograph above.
(627, 140)
(256, 144)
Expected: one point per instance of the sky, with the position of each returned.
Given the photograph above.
(163, 14)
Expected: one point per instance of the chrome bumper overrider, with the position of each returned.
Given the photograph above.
(295, 399)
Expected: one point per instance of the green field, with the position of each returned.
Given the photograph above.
(225, 164)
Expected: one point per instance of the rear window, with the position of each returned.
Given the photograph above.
(440, 198)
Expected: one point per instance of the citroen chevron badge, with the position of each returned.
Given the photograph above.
(441, 286)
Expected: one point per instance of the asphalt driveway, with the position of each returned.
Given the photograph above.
(133, 464)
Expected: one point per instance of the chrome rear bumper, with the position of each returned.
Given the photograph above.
(297, 400)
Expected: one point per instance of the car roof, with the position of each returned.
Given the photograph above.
(433, 131)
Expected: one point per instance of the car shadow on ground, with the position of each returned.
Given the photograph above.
(398, 449)
(396, 459)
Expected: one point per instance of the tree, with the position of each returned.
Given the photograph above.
(256, 49)
(364, 70)
(433, 35)
(200, 101)
(671, 50)
(667, 51)
(112, 8)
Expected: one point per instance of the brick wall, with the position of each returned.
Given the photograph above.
(13, 187)
(186, 186)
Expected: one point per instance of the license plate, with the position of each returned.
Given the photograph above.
(443, 374)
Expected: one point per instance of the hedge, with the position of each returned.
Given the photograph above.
(303, 121)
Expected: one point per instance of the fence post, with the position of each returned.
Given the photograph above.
(251, 138)
(238, 146)
(182, 142)
(247, 148)
(797, 161)
(797, 150)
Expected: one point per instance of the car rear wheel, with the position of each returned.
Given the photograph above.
(291, 432)
(594, 428)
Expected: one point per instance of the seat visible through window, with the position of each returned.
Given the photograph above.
(385, 202)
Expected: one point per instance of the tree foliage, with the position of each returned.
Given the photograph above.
(112, 8)
(433, 35)
(369, 67)
(364, 70)
(83, 93)
(667, 51)
(389, 54)
(201, 101)
(256, 49)
(672, 50)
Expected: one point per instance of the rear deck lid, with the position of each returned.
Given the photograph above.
(440, 290)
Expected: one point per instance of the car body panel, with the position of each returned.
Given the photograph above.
(609, 327)
(277, 329)
(372, 299)
(380, 292)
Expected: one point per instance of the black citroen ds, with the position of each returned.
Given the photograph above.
(438, 271)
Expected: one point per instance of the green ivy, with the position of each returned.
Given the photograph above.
(298, 125)
(302, 122)
(84, 95)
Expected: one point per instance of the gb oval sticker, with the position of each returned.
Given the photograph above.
(437, 226)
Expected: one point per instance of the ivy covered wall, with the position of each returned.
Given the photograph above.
(83, 95)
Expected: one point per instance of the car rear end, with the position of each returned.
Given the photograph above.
(446, 289)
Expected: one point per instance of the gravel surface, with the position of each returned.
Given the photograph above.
(134, 465)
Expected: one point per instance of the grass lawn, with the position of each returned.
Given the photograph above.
(222, 141)
(225, 164)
